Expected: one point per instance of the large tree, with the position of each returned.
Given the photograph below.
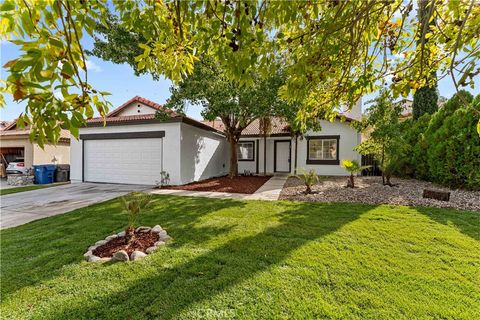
(236, 105)
(332, 51)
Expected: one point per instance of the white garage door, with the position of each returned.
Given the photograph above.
(130, 161)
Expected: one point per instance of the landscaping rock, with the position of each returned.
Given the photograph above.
(407, 192)
(151, 249)
(157, 229)
(436, 194)
(93, 258)
(137, 255)
(121, 233)
(113, 236)
(91, 248)
(121, 255)
(159, 243)
(100, 243)
(88, 254)
(143, 229)
(165, 238)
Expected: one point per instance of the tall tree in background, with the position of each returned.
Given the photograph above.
(235, 104)
(425, 98)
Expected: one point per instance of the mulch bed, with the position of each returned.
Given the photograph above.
(142, 241)
(240, 184)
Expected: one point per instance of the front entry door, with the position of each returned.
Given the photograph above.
(282, 156)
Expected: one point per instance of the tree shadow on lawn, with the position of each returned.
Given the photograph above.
(173, 289)
(467, 222)
(37, 251)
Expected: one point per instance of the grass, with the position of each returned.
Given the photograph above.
(4, 192)
(249, 259)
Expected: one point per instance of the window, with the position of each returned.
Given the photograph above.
(322, 150)
(245, 150)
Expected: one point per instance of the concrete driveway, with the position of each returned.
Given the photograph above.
(22, 207)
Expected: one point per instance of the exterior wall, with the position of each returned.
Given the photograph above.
(170, 154)
(20, 142)
(136, 108)
(349, 138)
(204, 154)
(44, 156)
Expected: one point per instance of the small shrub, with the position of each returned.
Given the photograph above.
(133, 204)
(353, 167)
(309, 179)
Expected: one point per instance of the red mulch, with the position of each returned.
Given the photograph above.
(240, 184)
(142, 241)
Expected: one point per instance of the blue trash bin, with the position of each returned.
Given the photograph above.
(44, 173)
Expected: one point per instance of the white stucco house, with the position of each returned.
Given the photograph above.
(130, 146)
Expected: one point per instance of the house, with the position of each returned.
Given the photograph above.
(131, 146)
(15, 144)
(321, 151)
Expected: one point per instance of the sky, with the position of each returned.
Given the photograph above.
(123, 84)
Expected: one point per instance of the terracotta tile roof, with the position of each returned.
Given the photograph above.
(122, 118)
(147, 102)
(279, 126)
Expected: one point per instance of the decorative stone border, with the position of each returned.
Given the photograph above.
(122, 255)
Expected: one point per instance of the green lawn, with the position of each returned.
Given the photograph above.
(256, 260)
(25, 188)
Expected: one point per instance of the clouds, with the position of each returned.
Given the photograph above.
(92, 66)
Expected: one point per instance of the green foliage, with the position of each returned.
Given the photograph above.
(383, 129)
(133, 204)
(332, 52)
(309, 178)
(445, 147)
(425, 100)
(353, 167)
(236, 104)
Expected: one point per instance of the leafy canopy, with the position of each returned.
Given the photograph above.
(333, 52)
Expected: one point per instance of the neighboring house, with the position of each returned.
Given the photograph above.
(321, 151)
(4, 124)
(15, 144)
(131, 146)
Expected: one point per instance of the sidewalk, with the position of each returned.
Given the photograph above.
(270, 191)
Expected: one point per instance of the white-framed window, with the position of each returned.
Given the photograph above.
(322, 150)
(246, 150)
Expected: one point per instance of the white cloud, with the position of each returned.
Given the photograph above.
(92, 66)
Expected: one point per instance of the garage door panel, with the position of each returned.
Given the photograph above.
(132, 161)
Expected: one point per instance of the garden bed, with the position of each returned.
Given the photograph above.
(240, 184)
(370, 190)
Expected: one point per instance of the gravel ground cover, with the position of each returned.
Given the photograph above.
(370, 190)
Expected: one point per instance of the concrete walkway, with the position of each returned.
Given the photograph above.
(270, 191)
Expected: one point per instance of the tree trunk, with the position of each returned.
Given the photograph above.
(308, 190)
(351, 182)
(129, 235)
(233, 158)
(383, 159)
